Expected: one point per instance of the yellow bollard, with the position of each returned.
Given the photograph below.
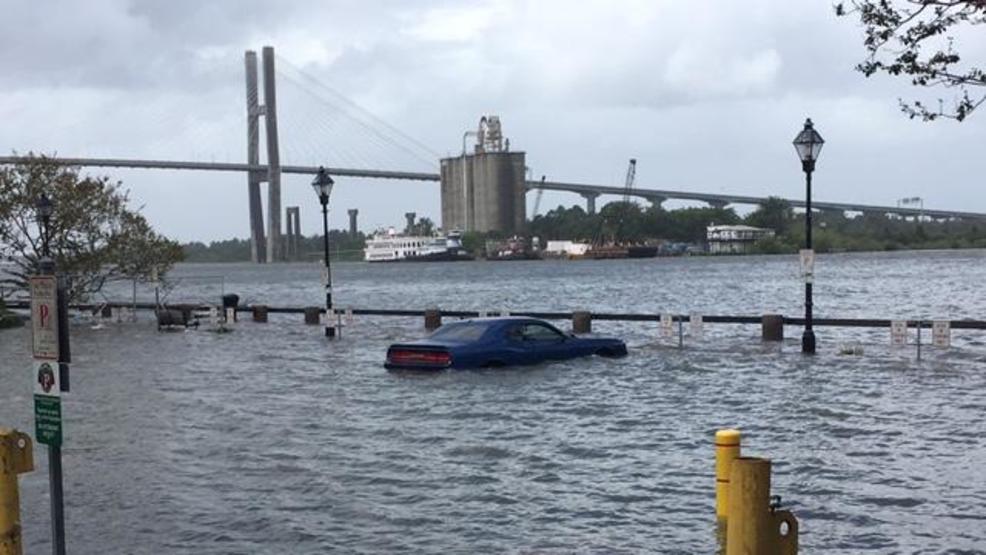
(727, 449)
(754, 527)
(16, 457)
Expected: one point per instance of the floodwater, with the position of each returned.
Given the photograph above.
(270, 439)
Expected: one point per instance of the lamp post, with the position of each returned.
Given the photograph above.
(45, 209)
(808, 144)
(323, 188)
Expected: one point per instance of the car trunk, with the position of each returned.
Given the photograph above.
(418, 357)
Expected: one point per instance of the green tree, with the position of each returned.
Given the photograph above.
(774, 213)
(94, 236)
(424, 226)
(912, 38)
(689, 224)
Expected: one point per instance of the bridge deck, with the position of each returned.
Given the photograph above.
(579, 188)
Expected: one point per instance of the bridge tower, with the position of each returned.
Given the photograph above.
(275, 246)
(271, 250)
(258, 244)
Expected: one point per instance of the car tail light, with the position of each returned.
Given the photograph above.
(414, 357)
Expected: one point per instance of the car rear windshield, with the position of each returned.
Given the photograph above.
(470, 331)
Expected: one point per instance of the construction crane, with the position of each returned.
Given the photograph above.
(627, 189)
(628, 184)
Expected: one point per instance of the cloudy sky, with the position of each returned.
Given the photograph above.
(707, 95)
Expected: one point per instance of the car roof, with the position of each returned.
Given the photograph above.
(502, 320)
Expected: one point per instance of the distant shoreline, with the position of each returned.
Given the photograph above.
(318, 261)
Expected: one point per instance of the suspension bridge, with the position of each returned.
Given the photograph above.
(483, 190)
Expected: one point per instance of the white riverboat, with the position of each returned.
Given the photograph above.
(390, 246)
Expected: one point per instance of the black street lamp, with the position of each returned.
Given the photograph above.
(808, 143)
(323, 188)
(45, 209)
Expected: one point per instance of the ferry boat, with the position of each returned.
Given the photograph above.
(514, 248)
(393, 247)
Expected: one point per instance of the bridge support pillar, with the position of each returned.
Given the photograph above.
(717, 204)
(353, 212)
(293, 219)
(274, 242)
(410, 217)
(590, 202)
(258, 244)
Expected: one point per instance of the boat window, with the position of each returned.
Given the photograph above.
(464, 331)
(541, 332)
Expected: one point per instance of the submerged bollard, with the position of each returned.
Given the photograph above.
(772, 327)
(754, 526)
(312, 314)
(16, 457)
(433, 319)
(727, 449)
(259, 313)
(581, 322)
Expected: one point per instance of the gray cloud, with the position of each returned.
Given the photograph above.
(707, 95)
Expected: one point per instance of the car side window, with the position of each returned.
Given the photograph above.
(515, 333)
(539, 332)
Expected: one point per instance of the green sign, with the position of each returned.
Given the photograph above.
(48, 420)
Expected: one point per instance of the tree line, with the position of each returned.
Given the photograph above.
(342, 246)
(832, 230)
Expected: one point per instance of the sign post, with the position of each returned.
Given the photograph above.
(667, 325)
(807, 257)
(49, 374)
(941, 333)
(898, 332)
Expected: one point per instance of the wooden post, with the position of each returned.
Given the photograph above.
(312, 314)
(772, 327)
(433, 319)
(582, 322)
(753, 526)
(260, 313)
(16, 457)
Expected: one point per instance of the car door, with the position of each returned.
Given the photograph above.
(517, 349)
(544, 342)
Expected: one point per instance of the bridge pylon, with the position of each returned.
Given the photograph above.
(271, 249)
(275, 245)
(258, 243)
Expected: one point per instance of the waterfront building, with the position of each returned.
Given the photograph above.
(734, 239)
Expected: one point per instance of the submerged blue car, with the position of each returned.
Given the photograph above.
(494, 342)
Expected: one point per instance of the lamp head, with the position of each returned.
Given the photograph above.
(323, 185)
(45, 207)
(808, 144)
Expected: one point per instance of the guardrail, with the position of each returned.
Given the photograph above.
(969, 324)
